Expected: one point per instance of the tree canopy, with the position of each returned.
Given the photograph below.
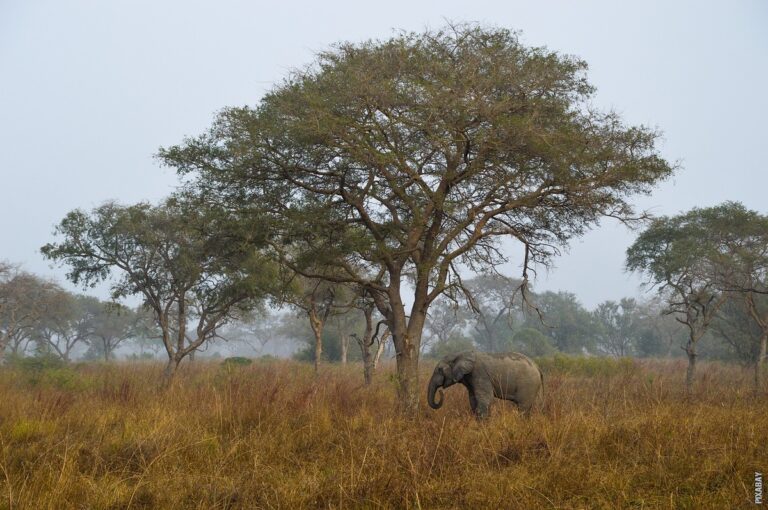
(699, 260)
(414, 156)
(193, 269)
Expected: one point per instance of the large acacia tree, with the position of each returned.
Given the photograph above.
(424, 151)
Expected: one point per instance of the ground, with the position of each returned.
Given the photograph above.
(272, 435)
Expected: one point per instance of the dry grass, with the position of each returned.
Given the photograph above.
(274, 436)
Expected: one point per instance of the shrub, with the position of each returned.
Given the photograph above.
(586, 366)
(236, 361)
(36, 363)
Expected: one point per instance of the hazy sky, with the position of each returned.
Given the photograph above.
(90, 90)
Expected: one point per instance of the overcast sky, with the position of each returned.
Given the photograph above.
(90, 90)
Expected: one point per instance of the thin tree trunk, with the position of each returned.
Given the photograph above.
(318, 351)
(344, 339)
(3, 343)
(317, 328)
(367, 365)
(690, 350)
(107, 351)
(380, 350)
(760, 365)
(365, 345)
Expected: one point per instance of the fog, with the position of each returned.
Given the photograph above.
(90, 90)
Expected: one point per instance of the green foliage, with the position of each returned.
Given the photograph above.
(701, 260)
(532, 342)
(617, 327)
(65, 378)
(497, 310)
(454, 343)
(566, 322)
(31, 364)
(187, 262)
(696, 248)
(49, 370)
(587, 366)
(297, 327)
(236, 361)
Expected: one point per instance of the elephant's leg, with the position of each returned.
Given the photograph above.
(525, 408)
(472, 400)
(483, 408)
(483, 396)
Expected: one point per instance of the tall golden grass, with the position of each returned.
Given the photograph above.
(272, 435)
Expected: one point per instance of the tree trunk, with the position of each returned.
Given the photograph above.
(367, 364)
(107, 351)
(344, 339)
(317, 328)
(406, 335)
(318, 351)
(690, 350)
(380, 350)
(760, 364)
(407, 342)
(3, 344)
(170, 371)
(408, 377)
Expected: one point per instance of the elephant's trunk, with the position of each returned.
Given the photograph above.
(433, 387)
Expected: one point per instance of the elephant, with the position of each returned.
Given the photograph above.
(508, 375)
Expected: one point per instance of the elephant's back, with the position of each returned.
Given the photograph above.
(514, 357)
(514, 374)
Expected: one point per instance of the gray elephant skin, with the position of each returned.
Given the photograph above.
(506, 375)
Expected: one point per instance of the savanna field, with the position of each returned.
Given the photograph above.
(610, 434)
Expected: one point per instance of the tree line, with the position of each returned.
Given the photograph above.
(38, 317)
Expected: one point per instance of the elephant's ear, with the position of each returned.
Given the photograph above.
(463, 365)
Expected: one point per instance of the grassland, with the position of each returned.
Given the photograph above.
(272, 435)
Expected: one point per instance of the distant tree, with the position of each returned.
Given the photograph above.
(256, 329)
(424, 151)
(659, 333)
(192, 267)
(24, 300)
(147, 334)
(446, 319)
(451, 345)
(735, 327)
(113, 324)
(687, 259)
(373, 334)
(567, 323)
(318, 299)
(533, 342)
(741, 263)
(70, 321)
(618, 327)
(496, 304)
